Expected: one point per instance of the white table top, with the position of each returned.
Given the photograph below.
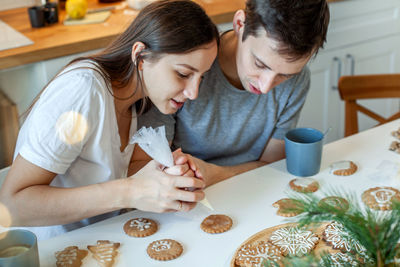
(246, 198)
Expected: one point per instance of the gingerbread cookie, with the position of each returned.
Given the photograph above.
(340, 259)
(304, 185)
(380, 198)
(105, 252)
(288, 207)
(70, 257)
(140, 227)
(343, 168)
(395, 146)
(164, 249)
(256, 255)
(215, 224)
(396, 134)
(294, 241)
(338, 238)
(336, 202)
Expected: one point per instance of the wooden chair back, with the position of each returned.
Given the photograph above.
(355, 87)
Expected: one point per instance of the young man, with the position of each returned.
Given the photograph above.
(255, 89)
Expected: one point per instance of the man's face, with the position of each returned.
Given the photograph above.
(260, 67)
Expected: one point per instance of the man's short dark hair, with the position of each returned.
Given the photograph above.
(299, 26)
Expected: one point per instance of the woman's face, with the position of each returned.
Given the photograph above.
(174, 78)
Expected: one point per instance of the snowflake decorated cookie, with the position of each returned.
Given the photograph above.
(337, 237)
(340, 259)
(140, 227)
(294, 241)
(258, 254)
(380, 198)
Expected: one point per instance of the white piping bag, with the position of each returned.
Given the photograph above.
(155, 144)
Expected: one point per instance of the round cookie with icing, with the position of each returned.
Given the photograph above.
(335, 202)
(380, 198)
(215, 224)
(140, 227)
(256, 255)
(343, 168)
(288, 207)
(304, 185)
(338, 238)
(294, 241)
(164, 249)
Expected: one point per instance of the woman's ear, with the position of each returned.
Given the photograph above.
(136, 49)
(238, 22)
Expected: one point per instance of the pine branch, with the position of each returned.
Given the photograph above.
(377, 231)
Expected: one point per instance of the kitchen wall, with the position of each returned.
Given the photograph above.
(9, 4)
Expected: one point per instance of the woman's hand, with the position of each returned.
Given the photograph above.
(152, 189)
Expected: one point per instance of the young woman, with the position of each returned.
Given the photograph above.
(74, 145)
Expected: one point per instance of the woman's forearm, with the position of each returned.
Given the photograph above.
(40, 205)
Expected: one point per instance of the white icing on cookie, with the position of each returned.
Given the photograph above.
(105, 252)
(294, 241)
(255, 255)
(161, 245)
(383, 196)
(340, 165)
(340, 239)
(303, 182)
(341, 259)
(333, 201)
(67, 257)
(140, 223)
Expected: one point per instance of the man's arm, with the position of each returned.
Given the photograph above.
(212, 174)
(273, 151)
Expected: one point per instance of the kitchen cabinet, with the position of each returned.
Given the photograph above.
(363, 38)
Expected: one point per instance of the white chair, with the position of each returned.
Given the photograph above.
(3, 174)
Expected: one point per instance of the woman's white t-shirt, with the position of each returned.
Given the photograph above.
(72, 131)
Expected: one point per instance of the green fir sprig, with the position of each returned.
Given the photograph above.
(377, 231)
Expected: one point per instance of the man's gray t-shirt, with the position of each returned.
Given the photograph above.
(228, 126)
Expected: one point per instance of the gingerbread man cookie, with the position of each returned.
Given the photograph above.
(256, 255)
(294, 241)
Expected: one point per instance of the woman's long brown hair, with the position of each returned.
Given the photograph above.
(165, 27)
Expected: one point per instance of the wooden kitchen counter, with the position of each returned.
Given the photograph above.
(58, 40)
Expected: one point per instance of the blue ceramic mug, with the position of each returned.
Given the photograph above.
(303, 148)
(18, 247)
